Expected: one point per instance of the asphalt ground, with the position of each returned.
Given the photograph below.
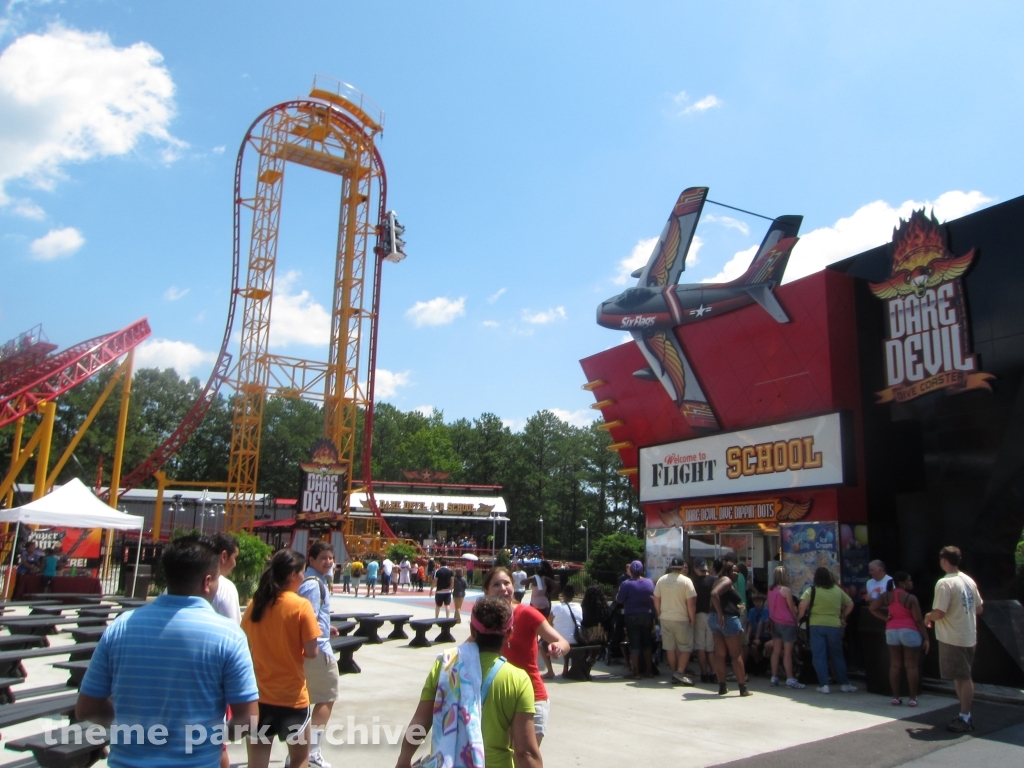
(610, 720)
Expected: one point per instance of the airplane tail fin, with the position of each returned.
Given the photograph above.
(770, 262)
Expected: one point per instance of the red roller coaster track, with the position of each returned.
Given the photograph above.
(65, 370)
(222, 370)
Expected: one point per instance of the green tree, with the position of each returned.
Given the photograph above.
(250, 564)
(610, 555)
(290, 427)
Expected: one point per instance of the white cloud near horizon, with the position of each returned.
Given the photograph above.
(439, 311)
(69, 96)
(584, 417)
(182, 356)
(544, 317)
(386, 383)
(641, 254)
(426, 410)
(174, 293)
(869, 226)
(296, 318)
(57, 243)
(514, 424)
(495, 296)
(27, 209)
(682, 102)
(728, 222)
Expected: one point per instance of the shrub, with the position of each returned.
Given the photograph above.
(398, 552)
(611, 553)
(252, 559)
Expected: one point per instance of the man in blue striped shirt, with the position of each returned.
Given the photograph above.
(164, 674)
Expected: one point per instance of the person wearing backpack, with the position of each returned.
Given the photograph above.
(322, 680)
(478, 708)
(567, 619)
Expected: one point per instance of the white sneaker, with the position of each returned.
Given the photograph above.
(316, 760)
(849, 688)
(824, 689)
(794, 683)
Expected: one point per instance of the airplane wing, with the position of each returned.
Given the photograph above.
(668, 260)
(669, 365)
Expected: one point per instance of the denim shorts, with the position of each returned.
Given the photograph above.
(908, 638)
(784, 632)
(733, 625)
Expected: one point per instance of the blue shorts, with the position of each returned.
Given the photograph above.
(784, 632)
(908, 638)
(371, 582)
(733, 625)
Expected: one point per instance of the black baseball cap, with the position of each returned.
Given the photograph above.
(676, 562)
(700, 564)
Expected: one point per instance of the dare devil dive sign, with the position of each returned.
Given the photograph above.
(928, 348)
(323, 481)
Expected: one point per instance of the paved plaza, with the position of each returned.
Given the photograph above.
(600, 723)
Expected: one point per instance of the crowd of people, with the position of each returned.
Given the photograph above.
(192, 659)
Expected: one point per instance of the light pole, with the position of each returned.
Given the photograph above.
(494, 533)
(585, 527)
(541, 521)
(202, 512)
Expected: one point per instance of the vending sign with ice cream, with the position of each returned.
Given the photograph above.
(807, 547)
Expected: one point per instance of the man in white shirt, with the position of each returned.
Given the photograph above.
(386, 567)
(879, 581)
(566, 618)
(519, 578)
(226, 601)
(955, 610)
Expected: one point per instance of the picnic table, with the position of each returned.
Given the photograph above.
(14, 642)
(46, 625)
(4, 605)
(68, 598)
(343, 627)
(76, 668)
(345, 647)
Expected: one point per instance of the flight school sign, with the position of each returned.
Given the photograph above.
(928, 348)
(795, 454)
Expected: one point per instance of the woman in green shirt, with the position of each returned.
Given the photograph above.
(829, 607)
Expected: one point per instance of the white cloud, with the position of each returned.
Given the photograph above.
(174, 293)
(541, 318)
(439, 311)
(641, 254)
(516, 425)
(682, 102)
(495, 296)
(869, 226)
(728, 222)
(489, 324)
(295, 317)
(425, 410)
(386, 383)
(57, 243)
(27, 209)
(625, 338)
(69, 96)
(581, 418)
(179, 355)
(219, 150)
(735, 267)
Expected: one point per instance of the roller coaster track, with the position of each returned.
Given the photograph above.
(223, 372)
(65, 370)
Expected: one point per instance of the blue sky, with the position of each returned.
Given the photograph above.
(533, 151)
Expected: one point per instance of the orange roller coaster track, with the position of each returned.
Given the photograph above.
(333, 131)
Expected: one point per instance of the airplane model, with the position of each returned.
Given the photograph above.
(652, 309)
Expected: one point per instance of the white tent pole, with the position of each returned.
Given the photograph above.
(14, 548)
(138, 554)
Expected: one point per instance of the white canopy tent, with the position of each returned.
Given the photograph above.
(73, 506)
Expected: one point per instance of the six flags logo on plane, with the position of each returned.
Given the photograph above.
(928, 347)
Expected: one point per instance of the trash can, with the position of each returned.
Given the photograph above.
(141, 584)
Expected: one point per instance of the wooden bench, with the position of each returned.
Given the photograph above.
(70, 755)
(23, 711)
(345, 647)
(368, 626)
(5, 604)
(581, 661)
(14, 642)
(343, 627)
(87, 634)
(46, 610)
(422, 626)
(77, 670)
(67, 598)
(398, 622)
(6, 694)
(11, 661)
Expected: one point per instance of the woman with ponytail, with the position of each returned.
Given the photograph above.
(282, 631)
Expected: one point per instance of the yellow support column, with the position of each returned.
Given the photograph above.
(158, 513)
(49, 410)
(115, 470)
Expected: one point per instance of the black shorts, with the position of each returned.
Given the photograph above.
(283, 721)
(442, 598)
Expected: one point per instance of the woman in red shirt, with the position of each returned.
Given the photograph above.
(521, 647)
